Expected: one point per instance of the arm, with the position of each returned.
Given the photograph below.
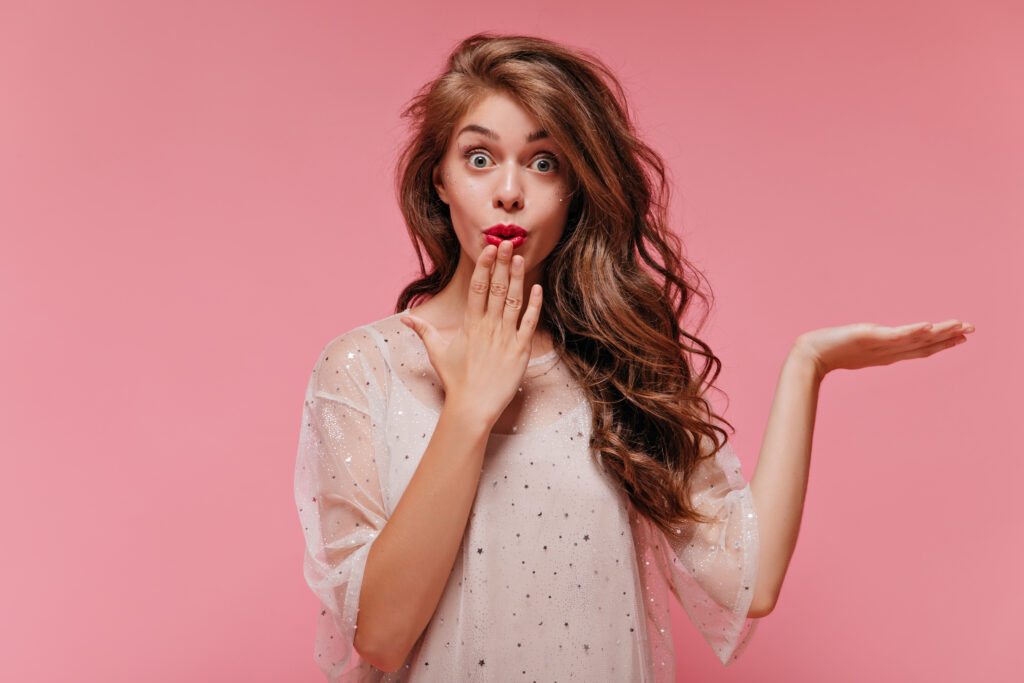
(378, 578)
(413, 555)
(481, 369)
(779, 484)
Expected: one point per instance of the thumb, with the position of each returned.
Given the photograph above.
(428, 333)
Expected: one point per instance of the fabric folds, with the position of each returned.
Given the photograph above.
(557, 575)
(338, 494)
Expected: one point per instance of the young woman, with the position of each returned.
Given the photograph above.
(510, 477)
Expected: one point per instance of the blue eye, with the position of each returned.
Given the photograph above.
(549, 164)
(477, 159)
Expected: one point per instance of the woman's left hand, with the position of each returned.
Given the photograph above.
(865, 344)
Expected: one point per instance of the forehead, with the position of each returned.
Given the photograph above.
(501, 118)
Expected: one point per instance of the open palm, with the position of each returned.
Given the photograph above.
(865, 344)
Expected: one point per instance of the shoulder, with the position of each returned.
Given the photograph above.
(366, 338)
(360, 353)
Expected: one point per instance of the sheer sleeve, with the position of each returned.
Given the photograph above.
(338, 491)
(712, 567)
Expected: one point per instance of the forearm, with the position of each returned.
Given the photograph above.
(412, 557)
(779, 484)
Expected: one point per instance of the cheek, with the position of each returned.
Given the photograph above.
(467, 193)
(557, 207)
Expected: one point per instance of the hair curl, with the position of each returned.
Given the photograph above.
(616, 284)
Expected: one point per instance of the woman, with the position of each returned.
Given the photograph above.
(507, 479)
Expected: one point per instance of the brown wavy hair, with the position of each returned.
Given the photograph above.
(616, 285)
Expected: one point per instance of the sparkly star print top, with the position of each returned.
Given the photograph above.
(557, 576)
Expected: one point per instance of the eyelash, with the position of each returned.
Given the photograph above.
(550, 156)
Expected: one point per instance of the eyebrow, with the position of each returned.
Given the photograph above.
(487, 132)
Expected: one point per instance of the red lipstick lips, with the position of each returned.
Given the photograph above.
(499, 233)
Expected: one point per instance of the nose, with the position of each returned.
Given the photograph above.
(508, 194)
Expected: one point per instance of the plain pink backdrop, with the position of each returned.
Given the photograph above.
(195, 197)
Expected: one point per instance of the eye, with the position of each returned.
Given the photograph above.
(477, 159)
(547, 164)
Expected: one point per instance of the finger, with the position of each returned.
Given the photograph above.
(896, 332)
(432, 339)
(532, 314)
(479, 284)
(499, 281)
(514, 298)
(943, 331)
(930, 349)
(960, 327)
(945, 326)
(932, 332)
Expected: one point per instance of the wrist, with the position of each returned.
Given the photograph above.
(468, 418)
(802, 356)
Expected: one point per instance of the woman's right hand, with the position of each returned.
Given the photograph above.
(483, 365)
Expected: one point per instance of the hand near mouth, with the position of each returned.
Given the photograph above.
(483, 365)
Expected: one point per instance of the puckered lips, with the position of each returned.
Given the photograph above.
(496, 234)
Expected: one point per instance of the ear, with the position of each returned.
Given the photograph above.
(439, 184)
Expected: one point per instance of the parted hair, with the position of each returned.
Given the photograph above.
(616, 286)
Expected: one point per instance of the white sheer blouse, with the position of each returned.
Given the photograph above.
(557, 576)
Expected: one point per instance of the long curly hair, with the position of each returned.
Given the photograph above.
(616, 285)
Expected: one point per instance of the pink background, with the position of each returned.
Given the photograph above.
(195, 197)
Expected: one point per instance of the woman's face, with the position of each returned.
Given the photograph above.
(501, 169)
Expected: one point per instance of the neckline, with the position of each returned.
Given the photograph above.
(565, 416)
(543, 358)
